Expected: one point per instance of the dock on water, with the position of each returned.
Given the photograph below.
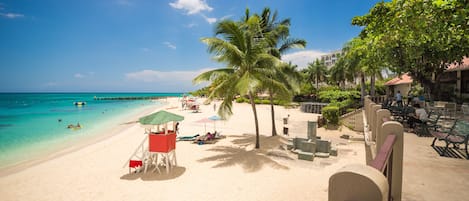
(132, 98)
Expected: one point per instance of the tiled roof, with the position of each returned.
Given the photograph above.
(463, 66)
(403, 79)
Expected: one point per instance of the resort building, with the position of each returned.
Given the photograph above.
(400, 83)
(454, 82)
(331, 58)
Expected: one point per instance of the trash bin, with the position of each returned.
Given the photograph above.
(285, 130)
(285, 121)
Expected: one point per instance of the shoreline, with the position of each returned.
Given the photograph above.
(96, 171)
(96, 136)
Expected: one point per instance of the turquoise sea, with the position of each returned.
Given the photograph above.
(35, 124)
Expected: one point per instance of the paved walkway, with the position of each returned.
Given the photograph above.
(429, 176)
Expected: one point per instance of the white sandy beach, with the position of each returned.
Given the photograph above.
(227, 170)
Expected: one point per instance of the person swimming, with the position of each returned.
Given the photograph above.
(71, 126)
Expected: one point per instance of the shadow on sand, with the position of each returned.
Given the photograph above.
(250, 159)
(155, 176)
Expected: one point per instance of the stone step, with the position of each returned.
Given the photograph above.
(305, 156)
(322, 155)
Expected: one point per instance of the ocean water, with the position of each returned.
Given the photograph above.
(34, 124)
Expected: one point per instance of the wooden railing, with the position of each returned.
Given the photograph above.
(382, 178)
(383, 160)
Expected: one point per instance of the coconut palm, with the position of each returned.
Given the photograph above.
(238, 46)
(276, 34)
(317, 71)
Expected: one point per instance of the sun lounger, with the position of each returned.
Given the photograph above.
(208, 139)
(187, 138)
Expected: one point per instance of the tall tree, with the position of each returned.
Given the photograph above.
(419, 36)
(277, 35)
(238, 46)
(317, 72)
(355, 61)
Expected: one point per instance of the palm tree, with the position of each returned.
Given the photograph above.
(277, 35)
(236, 44)
(338, 73)
(317, 71)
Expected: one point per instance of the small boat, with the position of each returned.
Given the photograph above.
(79, 103)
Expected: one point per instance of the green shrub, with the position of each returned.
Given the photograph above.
(331, 114)
(241, 100)
(338, 95)
(265, 102)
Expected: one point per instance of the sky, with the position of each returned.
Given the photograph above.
(143, 45)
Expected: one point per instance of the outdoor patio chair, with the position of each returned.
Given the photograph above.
(457, 135)
(422, 129)
(465, 110)
(450, 110)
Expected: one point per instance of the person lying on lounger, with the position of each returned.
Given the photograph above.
(204, 138)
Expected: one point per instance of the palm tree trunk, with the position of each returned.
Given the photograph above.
(272, 112)
(253, 105)
(372, 85)
(363, 87)
(317, 83)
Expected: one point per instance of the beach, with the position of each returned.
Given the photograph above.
(230, 169)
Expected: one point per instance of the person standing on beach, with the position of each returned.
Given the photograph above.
(176, 128)
(214, 107)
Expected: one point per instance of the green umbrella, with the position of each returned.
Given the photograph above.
(160, 117)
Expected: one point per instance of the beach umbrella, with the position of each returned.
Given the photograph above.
(159, 118)
(205, 121)
(215, 118)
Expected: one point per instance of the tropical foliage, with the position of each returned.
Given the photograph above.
(238, 45)
(418, 36)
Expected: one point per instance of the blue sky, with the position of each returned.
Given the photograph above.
(144, 46)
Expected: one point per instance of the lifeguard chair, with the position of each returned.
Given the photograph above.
(164, 145)
(161, 143)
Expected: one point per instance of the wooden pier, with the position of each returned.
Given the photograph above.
(132, 98)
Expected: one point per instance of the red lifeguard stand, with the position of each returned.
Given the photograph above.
(163, 144)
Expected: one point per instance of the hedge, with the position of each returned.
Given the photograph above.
(331, 114)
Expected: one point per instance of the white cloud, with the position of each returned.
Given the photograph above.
(210, 20)
(78, 75)
(191, 6)
(226, 17)
(145, 49)
(170, 45)
(155, 76)
(302, 58)
(11, 15)
(191, 25)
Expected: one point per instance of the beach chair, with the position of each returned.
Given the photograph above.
(187, 138)
(135, 164)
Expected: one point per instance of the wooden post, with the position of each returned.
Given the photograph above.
(358, 182)
(374, 128)
(395, 128)
(380, 115)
